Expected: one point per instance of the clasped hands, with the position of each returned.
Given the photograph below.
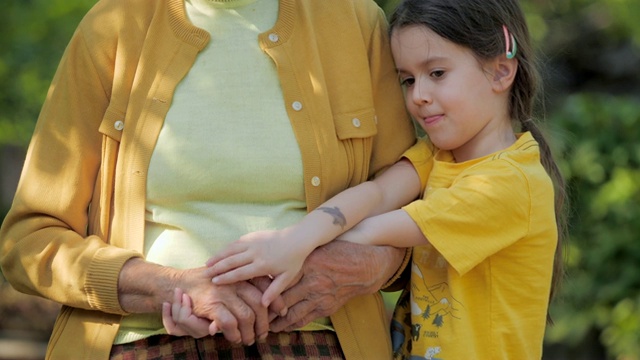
(330, 276)
(235, 308)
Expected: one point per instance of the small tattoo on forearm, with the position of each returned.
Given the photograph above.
(338, 217)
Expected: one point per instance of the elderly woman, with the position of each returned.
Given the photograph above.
(174, 127)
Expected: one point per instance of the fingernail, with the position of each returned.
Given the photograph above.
(263, 336)
(284, 311)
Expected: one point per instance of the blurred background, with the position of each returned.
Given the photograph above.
(590, 52)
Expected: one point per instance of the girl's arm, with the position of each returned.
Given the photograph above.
(395, 228)
(280, 254)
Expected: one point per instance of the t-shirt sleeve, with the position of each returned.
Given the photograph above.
(485, 210)
(421, 156)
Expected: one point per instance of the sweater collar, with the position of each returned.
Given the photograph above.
(187, 32)
(228, 4)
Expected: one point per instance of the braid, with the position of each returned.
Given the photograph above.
(560, 196)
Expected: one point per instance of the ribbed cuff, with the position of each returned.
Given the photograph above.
(390, 284)
(102, 278)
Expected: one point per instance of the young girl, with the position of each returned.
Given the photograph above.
(486, 228)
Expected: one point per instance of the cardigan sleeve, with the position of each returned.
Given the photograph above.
(395, 129)
(45, 246)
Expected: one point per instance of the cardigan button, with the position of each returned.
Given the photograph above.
(296, 105)
(315, 181)
(274, 37)
(356, 122)
(118, 125)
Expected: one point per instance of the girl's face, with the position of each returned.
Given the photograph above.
(451, 94)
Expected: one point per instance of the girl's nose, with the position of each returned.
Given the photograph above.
(420, 93)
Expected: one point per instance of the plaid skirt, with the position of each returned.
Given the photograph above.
(320, 345)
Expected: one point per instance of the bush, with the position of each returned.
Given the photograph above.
(597, 138)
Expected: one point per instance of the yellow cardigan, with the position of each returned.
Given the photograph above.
(78, 214)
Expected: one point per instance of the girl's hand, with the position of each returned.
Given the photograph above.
(178, 318)
(262, 253)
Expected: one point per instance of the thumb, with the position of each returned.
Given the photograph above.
(213, 328)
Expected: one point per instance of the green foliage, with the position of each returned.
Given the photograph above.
(597, 136)
(34, 34)
(589, 45)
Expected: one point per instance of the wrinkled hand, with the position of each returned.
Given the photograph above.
(331, 276)
(235, 308)
(178, 318)
(144, 287)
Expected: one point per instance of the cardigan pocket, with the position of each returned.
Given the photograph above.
(58, 328)
(356, 131)
(356, 125)
(111, 127)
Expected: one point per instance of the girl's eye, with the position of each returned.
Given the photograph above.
(408, 81)
(437, 73)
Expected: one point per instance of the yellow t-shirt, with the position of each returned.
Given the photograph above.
(480, 289)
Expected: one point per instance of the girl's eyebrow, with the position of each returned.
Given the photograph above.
(433, 59)
(426, 62)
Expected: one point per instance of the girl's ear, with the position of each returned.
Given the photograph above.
(504, 73)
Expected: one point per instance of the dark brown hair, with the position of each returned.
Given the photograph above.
(478, 25)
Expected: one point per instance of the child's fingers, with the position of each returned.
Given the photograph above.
(186, 302)
(213, 328)
(185, 309)
(185, 323)
(176, 305)
(277, 304)
(277, 307)
(167, 320)
(229, 263)
(276, 288)
(243, 272)
(231, 249)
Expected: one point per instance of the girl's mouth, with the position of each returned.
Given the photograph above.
(429, 120)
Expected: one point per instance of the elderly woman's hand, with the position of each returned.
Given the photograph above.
(332, 275)
(236, 308)
(231, 316)
(233, 310)
(178, 318)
